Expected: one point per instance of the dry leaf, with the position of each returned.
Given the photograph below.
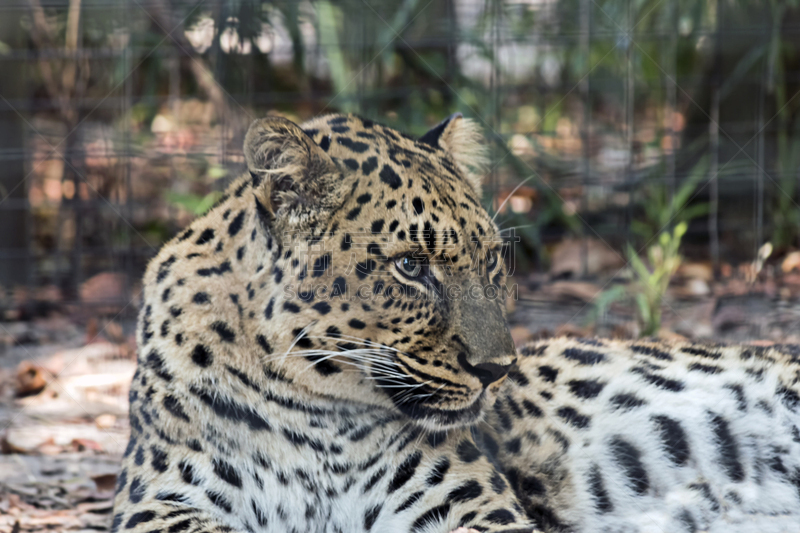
(7, 447)
(31, 379)
(86, 444)
(105, 482)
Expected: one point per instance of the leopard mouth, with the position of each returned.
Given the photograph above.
(438, 419)
(427, 412)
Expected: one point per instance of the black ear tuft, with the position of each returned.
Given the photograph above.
(433, 135)
(461, 138)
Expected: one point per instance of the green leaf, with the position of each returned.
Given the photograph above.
(644, 308)
(193, 203)
(743, 66)
(689, 186)
(639, 268)
(216, 172)
(604, 300)
(680, 231)
(329, 29)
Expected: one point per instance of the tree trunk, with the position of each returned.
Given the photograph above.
(14, 256)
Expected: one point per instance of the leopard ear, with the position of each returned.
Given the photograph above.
(296, 184)
(462, 139)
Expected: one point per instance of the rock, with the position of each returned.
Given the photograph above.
(567, 258)
(668, 335)
(49, 447)
(692, 288)
(521, 335)
(27, 437)
(571, 330)
(791, 262)
(107, 291)
(105, 421)
(580, 290)
(702, 271)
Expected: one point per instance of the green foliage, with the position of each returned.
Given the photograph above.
(786, 213)
(154, 231)
(769, 59)
(660, 210)
(651, 279)
(194, 203)
(408, 63)
(329, 31)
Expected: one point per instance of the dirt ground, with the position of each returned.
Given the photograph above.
(63, 425)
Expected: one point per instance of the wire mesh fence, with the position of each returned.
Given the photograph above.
(121, 120)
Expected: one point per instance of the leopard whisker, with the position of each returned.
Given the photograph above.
(377, 364)
(367, 370)
(297, 338)
(523, 182)
(409, 395)
(513, 228)
(434, 392)
(358, 340)
(366, 354)
(371, 347)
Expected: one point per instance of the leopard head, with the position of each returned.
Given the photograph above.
(386, 281)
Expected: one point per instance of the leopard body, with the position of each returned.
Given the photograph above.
(325, 351)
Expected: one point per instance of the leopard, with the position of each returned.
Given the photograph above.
(313, 352)
(327, 350)
(650, 436)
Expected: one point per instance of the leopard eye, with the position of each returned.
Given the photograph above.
(492, 258)
(409, 266)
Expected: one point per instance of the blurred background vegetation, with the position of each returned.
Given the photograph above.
(660, 133)
(645, 169)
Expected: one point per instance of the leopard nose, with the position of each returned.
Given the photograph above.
(488, 373)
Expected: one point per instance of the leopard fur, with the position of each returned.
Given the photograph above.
(608, 436)
(326, 351)
(291, 377)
